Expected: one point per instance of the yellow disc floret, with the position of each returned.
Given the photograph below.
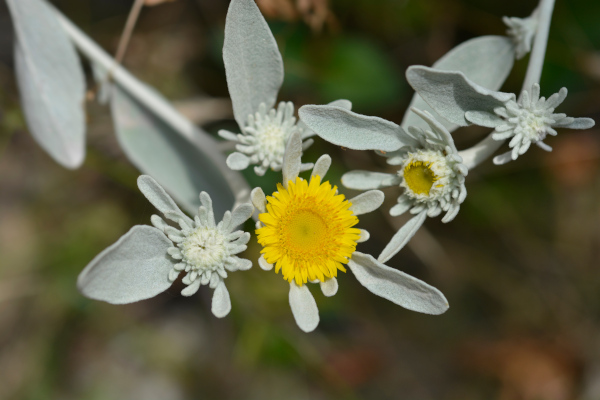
(419, 177)
(307, 231)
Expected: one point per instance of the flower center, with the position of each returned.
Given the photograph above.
(306, 229)
(426, 175)
(204, 249)
(533, 125)
(271, 139)
(308, 232)
(419, 177)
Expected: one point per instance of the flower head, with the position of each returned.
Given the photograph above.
(430, 171)
(522, 31)
(203, 249)
(528, 120)
(307, 232)
(263, 139)
(254, 69)
(146, 261)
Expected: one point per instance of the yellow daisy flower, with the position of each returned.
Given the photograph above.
(308, 231)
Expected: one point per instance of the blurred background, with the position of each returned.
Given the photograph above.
(519, 265)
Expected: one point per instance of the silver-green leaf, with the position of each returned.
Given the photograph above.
(396, 286)
(177, 164)
(50, 80)
(354, 131)
(451, 94)
(486, 60)
(253, 64)
(134, 268)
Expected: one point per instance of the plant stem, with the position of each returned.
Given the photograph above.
(488, 146)
(158, 105)
(128, 30)
(538, 53)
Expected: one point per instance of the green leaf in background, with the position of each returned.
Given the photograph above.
(359, 70)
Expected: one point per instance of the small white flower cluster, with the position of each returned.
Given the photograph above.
(521, 31)
(203, 249)
(529, 120)
(147, 260)
(263, 139)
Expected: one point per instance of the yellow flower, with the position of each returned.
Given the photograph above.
(308, 231)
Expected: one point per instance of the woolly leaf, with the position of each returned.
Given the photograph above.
(486, 60)
(452, 94)
(396, 286)
(355, 131)
(50, 80)
(135, 268)
(178, 165)
(253, 64)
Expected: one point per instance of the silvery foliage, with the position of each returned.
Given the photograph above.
(391, 284)
(451, 93)
(50, 80)
(488, 60)
(184, 169)
(463, 102)
(529, 119)
(254, 70)
(145, 261)
(155, 137)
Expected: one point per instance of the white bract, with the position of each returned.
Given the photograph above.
(147, 260)
(254, 70)
(293, 232)
(431, 171)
